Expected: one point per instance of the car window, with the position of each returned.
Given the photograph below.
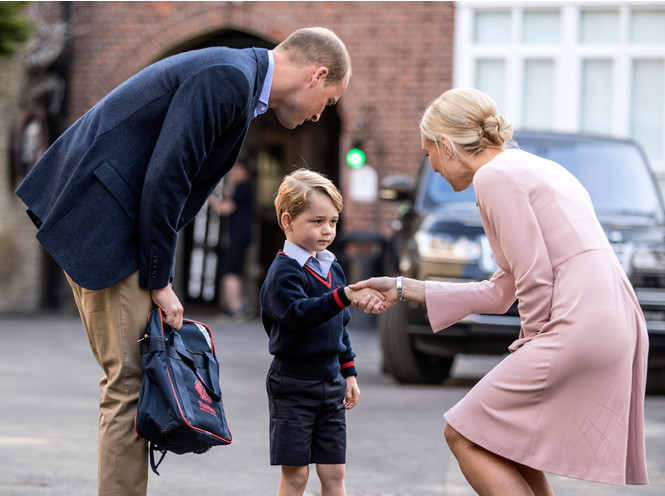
(614, 174)
(438, 192)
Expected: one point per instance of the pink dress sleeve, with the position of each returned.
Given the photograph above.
(525, 270)
(514, 232)
(449, 302)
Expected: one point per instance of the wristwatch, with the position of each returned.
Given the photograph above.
(399, 285)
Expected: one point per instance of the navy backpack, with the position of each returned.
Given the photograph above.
(180, 404)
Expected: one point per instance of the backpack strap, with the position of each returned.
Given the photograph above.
(203, 360)
(153, 448)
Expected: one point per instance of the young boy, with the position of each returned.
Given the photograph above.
(304, 300)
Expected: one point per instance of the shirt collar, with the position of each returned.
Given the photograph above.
(262, 107)
(321, 263)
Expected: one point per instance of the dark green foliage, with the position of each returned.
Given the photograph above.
(15, 26)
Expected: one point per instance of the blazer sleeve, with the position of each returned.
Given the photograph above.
(202, 108)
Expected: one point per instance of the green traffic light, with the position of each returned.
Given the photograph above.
(355, 158)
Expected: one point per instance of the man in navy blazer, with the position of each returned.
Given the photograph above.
(110, 195)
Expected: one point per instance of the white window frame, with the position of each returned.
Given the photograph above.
(568, 58)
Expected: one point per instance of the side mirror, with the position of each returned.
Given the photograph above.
(397, 188)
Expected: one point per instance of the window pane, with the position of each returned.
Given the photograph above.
(596, 104)
(541, 27)
(492, 27)
(490, 76)
(538, 94)
(599, 26)
(647, 26)
(648, 98)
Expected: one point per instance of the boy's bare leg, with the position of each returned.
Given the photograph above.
(293, 480)
(332, 479)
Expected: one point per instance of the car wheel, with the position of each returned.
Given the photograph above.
(656, 381)
(401, 359)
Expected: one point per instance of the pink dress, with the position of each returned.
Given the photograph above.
(569, 399)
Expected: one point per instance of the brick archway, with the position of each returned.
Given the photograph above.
(122, 47)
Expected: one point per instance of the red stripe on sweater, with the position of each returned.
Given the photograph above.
(338, 299)
(328, 283)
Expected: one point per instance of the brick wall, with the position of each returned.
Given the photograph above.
(401, 54)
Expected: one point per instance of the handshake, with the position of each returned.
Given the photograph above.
(374, 295)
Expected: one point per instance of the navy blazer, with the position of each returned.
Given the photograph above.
(110, 195)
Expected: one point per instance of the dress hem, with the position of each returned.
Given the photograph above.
(529, 461)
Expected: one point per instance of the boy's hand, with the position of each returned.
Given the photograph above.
(352, 392)
(371, 300)
(383, 285)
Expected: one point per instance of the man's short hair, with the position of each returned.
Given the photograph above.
(319, 46)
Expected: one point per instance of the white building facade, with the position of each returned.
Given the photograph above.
(579, 67)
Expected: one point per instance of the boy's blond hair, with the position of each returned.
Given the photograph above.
(296, 188)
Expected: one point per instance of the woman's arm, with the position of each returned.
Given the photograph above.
(412, 289)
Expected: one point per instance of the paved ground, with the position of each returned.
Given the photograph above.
(48, 410)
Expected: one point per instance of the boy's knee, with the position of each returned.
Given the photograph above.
(295, 476)
(331, 474)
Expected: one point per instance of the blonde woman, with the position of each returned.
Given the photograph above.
(569, 398)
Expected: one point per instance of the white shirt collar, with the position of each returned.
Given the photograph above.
(321, 263)
(262, 107)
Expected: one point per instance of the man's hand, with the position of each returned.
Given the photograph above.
(172, 309)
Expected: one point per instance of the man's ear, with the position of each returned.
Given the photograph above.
(319, 75)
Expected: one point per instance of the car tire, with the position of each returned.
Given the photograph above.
(401, 359)
(655, 381)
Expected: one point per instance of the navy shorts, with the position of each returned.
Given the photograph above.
(307, 420)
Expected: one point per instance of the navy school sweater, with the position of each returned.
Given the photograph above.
(305, 317)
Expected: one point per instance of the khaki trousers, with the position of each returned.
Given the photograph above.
(114, 319)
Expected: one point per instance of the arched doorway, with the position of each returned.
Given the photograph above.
(271, 151)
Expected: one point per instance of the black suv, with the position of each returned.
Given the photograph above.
(439, 236)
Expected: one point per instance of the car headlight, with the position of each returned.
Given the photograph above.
(649, 259)
(446, 247)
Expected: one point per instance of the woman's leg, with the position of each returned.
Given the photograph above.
(490, 474)
(536, 480)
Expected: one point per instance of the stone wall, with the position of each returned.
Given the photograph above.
(21, 256)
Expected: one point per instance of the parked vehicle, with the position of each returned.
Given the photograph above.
(439, 236)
